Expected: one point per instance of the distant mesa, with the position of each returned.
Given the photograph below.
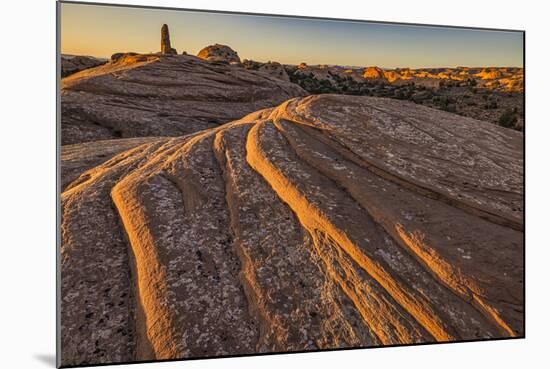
(219, 53)
(165, 46)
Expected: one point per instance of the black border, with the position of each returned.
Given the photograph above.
(58, 180)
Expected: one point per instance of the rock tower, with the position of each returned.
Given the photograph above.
(165, 47)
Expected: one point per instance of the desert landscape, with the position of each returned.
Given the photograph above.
(213, 206)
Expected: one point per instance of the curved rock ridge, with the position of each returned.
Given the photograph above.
(78, 158)
(137, 95)
(327, 222)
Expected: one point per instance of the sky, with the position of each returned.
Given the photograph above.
(101, 31)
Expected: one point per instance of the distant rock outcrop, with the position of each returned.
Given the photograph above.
(314, 72)
(329, 221)
(392, 75)
(374, 73)
(71, 64)
(165, 46)
(219, 53)
(137, 95)
(490, 73)
(275, 69)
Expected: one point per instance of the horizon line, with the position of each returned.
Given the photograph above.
(314, 64)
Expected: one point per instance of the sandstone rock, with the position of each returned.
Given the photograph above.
(117, 56)
(165, 46)
(219, 53)
(275, 69)
(329, 221)
(392, 76)
(137, 95)
(488, 73)
(374, 73)
(78, 158)
(71, 64)
(314, 72)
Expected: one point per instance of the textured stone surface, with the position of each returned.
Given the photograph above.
(219, 53)
(162, 95)
(329, 221)
(275, 69)
(78, 158)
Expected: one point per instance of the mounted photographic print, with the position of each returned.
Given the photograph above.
(238, 184)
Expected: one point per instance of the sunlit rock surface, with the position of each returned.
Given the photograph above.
(374, 73)
(327, 222)
(162, 95)
(78, 158)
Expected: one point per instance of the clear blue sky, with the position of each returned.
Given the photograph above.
(103, 30)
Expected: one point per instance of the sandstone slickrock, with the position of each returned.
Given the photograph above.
(165, 46)
(328, 221)
(78, 158)
(137, 95)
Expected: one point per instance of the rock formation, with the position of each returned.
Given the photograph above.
(374, 73)
(219, 53)
(71, 64)
(392, 76)
(137, 95)
(329, 221)
(314, 72)
(78, 158)
(488, 73)
(275, 69)
(165, 46)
